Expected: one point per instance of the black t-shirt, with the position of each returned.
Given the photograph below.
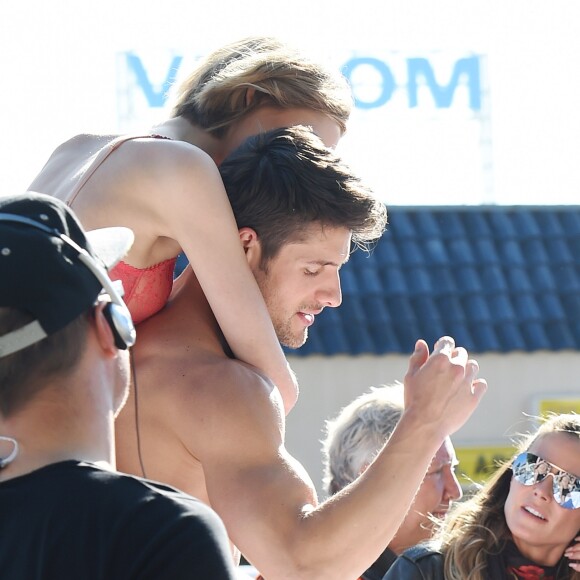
(73, 520)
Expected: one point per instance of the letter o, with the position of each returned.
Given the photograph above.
(388, 80)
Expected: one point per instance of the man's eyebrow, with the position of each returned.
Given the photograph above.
(328, 262)
(323, 263)
(439, 465)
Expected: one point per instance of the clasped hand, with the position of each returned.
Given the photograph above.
(443, 386)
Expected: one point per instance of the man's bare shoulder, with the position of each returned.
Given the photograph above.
(198, 372)
(209, 399)
(235, 405)
(217, 377)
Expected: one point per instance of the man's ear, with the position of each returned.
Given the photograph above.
(103, 330)
(251, 246)
(250, 93)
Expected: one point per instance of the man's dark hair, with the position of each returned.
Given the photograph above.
(281, 181)
(24, 373)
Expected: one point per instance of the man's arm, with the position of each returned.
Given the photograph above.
(267, 500)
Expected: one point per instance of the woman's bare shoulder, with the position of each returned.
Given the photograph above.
(83, 144)
(86, 145)
(160, 152)
(132, 162)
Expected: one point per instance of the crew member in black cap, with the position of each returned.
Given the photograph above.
(64, 368)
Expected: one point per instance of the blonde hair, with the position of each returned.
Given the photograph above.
(477, 529)
(259, 71)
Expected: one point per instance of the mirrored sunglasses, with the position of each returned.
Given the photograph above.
(529, 469)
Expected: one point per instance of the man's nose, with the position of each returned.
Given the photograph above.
(453, 491)
(331, 293)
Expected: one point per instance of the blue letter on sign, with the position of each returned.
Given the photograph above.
(388, 81)
(154, 99)
(443, 95)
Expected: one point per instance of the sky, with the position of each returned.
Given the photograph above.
(64, 71)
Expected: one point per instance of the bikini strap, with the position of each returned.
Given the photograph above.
(103, 153)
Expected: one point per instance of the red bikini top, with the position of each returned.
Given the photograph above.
(146, 289)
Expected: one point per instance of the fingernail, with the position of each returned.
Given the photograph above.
(445, 347)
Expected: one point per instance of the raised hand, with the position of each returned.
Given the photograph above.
(443, 386)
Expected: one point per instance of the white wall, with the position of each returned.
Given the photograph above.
(60, 76)
(515, 381)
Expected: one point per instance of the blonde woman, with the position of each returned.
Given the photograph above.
(164, 184)
(521, 524)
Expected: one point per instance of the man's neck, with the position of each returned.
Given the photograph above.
(45, 436)
(189, 306)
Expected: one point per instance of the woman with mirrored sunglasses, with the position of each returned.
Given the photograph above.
(524, 523)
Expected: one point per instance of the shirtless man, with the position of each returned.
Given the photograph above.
(163, 183)
(214, 427)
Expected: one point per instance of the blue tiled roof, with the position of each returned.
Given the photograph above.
(496, 278)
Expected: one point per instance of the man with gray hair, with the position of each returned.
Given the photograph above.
(356, 436)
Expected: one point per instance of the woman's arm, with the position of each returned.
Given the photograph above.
(194, 209)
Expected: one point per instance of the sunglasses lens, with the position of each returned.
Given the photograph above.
(567, 491)
(529, 469)
(525, 471)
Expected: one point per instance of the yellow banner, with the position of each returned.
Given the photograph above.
(559, 405)
(476, 464)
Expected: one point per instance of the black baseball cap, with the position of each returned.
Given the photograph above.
(50, 267)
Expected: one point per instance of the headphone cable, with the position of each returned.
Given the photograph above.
(138, 433)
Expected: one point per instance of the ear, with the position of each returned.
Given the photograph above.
(250, 93)
(103, 330)
(251, 246)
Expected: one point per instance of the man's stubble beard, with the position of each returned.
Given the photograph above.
(282, 325)
(289, 340)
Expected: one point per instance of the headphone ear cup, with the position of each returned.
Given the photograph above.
(121, 325)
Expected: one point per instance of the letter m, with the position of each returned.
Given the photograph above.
(443, 94)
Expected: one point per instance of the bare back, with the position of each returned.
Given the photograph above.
(186, 392)
(169, 375)
(65, 167)
(107, 181)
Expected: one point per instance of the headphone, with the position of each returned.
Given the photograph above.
(116, 312)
